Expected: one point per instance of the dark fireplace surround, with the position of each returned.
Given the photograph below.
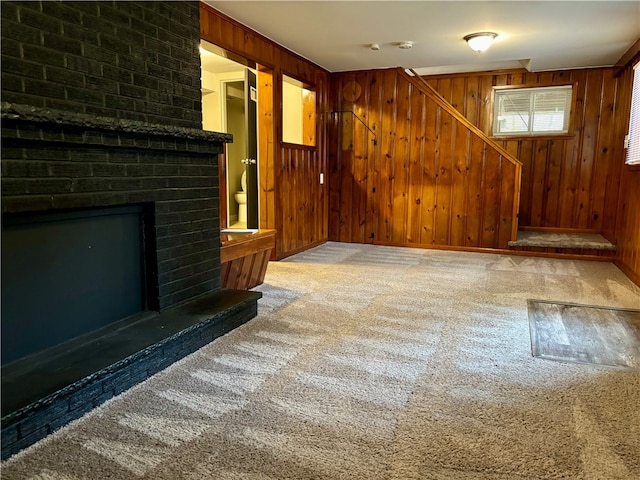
(58, 161)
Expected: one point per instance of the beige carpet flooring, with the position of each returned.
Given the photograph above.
(371, 363)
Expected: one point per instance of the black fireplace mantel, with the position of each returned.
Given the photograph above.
(29, 113)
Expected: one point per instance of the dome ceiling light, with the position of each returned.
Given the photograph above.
(481, 41)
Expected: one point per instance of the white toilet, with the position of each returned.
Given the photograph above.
(241, 198)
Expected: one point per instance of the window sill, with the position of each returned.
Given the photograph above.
(298, 146)
(502, 138)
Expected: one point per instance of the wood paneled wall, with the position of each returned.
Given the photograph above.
(568, 182)
(292, 201)
(627, 233)
(427, 180)
(302, 198)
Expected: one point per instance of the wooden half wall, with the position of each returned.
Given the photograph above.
(292, 200)
(408, 169)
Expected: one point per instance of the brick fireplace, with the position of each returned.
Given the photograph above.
(101, 116)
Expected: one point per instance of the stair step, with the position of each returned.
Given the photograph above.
(573, 241)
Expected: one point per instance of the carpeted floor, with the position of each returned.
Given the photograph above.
(374, 363)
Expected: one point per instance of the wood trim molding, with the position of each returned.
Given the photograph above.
(502, 251)
(428, 90)
(630, 57)
(240, 245)
(481, 73)
(633, 276)
(300, 249)
(298, 146)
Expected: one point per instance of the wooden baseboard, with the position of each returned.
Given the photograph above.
(502, 251)
(300, 249)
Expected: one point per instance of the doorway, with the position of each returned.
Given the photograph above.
(229, 105)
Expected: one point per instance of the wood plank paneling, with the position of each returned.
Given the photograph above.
(491, 199)
(429, 175)
(627, 229)
(334, 133)
(372, 117)
(292, 200)
(309, 118)
(589, 140)
(443, 184)
(475, 193)
(360, 159)
(400, 180)
(538, 175)
(387, 151)
(300, 188)
(553, 176)
(266, 149)
(431, 179)
(416, 168)
(568, 182)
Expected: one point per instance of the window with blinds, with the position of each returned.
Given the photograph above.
(633, 145)
(532, 111)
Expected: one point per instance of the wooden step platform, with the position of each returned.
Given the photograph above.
(564, 243)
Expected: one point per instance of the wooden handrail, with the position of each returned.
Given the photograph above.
(431, 92)
(375, 137)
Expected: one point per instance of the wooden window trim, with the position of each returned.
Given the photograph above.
(305, 84)
(298, 146)
(633, 130)
(546, 136)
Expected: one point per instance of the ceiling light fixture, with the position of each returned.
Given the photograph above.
(374, 46)
(405, 45)
(480, 41)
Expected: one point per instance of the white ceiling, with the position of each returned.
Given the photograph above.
(540, 35)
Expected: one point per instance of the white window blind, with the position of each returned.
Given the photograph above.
(532, 111)
(633, 147)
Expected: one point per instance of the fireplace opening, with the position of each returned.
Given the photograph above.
(69, 273)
